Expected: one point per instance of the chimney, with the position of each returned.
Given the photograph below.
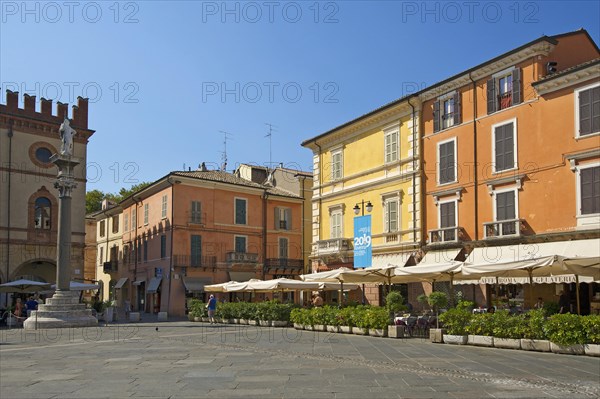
(46, 107)
(202, 167)
(12, 100)
(29, 103)
(80, 113)
(62, 110)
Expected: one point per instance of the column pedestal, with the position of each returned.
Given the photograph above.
(63, 310)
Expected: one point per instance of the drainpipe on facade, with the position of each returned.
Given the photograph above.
(475, 176)
(264, 249)
(10, 136)
(414, 183)
(320, 201)
(171, 268)
(135, 257)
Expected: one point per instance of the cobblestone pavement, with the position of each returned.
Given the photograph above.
(196, 360)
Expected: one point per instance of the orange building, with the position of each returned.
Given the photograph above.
(511, 152)
(193, 228)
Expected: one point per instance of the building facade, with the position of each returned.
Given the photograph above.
(28, 199)
(369, 166)
(109, 250)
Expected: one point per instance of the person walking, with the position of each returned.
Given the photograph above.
(212, 307)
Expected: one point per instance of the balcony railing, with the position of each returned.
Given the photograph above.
(503, 228)
(447, 234)
(194, 261)
(284, 263)
(332, 246)
(110, 266)
(241, 257)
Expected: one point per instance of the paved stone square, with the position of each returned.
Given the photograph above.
(195, 360)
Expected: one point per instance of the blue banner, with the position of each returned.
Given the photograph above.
(362, 241)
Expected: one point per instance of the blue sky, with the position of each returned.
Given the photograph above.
(165, 78)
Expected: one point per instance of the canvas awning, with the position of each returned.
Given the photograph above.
(564, 278)
(195, 284)
(138, 282)
(439, 257)
(121, 282)
(398, 259)
(242, 276)
(153, 285)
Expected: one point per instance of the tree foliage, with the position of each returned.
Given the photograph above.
(94, 198)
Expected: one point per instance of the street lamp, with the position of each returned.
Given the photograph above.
(362, 207)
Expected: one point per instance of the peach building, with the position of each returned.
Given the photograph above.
(193, 228)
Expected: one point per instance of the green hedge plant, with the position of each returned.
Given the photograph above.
(591, 327)
(481, 324)
(455, 321)
(565, 329)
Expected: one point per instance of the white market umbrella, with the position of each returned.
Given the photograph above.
(23, 286)
(221, 287)
(78, 286)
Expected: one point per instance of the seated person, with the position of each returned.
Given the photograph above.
(31, 305)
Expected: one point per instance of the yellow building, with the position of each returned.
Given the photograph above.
(370, 163)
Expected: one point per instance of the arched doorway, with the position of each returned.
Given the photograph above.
(37, 270)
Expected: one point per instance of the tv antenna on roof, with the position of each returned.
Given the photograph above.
(226, 136)
(270, 135)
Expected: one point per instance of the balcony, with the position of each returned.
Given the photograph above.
(331, 246)
(194, 261)
(284, 263)
(446, 235)
(504, 228)
(110, 266)
(241, 257)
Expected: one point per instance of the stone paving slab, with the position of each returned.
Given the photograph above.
(188, 360)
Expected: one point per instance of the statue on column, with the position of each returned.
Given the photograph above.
(66, 136)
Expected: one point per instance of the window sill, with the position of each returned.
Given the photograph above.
(586, 136)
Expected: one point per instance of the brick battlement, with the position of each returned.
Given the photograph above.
(79, 114)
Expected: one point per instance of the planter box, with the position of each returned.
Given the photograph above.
(480, 340)
(244, 321)
(279, 323)
(135, 316)
(592, 350)
(455, 339)
(333, 329)
(567, 349)
(360, 331)
(205, 319)
(236, 321)
(539, 345)
(264, 323)
(507, 343)
(436, 335)
(320, 327)
(227, 321)
(378, 332)
(252, 322)
(396, 331)
(308, 327)
(298, 326)
(162, 316)
(346, 329)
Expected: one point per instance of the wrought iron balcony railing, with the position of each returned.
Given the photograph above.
(241, 257)
(194, 261)
(503, 228)
(447, 234)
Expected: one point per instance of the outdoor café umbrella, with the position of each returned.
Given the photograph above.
(78, 286)
(23, 286)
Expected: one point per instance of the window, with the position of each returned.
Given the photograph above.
(504, 90)
(240, 244)
(163, 246)
(101, 255)
(447, 162)
(196, 250)
(336, 223)
(43, 154)
(283, 248)
(139, 250)
(336, 165)
(145, 250)
(446, 111)
(506, 210)
(448, 219)
(589, 186)
(114, 254)
(42, 213)
(126, 222)
(391, 145)
(196, 212)
(240, 211)
(115, 224)
(163, 213)
(505, 146)
(283, 218)
(390, 221)
(102, 228)
(134, 219)
(146, 210)
(587, 111)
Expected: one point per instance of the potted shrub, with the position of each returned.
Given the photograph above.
(281, 314)
(297, 316)
(480, 330)
(436, 300)
(591, 326)
(345, 319)
(533, 336)
(359, 321)
(377, 321)
(319, 315)
(196, 309)
(263, 314)
(455, 323)
(507, 330)
(566, 334)
(332, 321)
(394, 302)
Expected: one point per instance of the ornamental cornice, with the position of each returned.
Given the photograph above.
(568, 79)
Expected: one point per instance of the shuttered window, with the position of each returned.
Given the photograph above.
(589, 111)
(163, 213)
(447, 163)
(391, 146)
(336, 165)
(240, 211)
(283, 218)
(504, 147)
(196, 212)
(448, 219)
(283, 248)
(505, 206)
(163, 246)
(446, 112)
(336, 224)
(391, 215)
(504, 91)
(590, 190)
(196, 250)
(240, 244)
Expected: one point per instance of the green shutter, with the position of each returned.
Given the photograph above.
(491, 96)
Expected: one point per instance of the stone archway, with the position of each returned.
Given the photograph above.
(37, 269)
